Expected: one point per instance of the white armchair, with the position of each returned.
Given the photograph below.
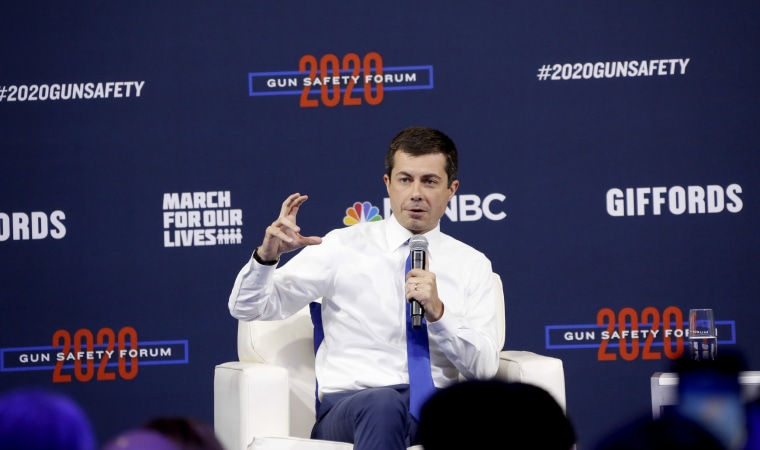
(266, 400)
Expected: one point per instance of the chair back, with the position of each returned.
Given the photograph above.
(290, 343)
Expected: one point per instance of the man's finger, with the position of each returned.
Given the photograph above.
(287, 204)
(297, 204)
(284, 221)
(277, 232)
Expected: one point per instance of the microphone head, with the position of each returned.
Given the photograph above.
(418, 242)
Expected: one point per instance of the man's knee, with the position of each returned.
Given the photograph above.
(384, 400)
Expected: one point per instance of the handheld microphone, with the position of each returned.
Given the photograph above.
(417, 249)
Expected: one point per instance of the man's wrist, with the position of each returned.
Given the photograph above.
(258, 259)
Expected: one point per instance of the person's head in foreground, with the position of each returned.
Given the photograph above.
(40, 419)
(494, 414)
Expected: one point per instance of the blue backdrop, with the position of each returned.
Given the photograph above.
(609, 168)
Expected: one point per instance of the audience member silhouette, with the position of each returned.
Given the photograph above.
(168, 433)
(34, 418)
(494, 413)
(669, 432)
(192, 434)
(709, 413)
(753, 425)
(709, 394)
(141, 439)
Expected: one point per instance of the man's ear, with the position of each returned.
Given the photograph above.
(453, 188)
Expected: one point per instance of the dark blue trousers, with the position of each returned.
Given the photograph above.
(372, 419)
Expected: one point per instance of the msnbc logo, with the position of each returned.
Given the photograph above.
(361, 212)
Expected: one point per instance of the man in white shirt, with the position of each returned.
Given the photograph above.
(361, 365)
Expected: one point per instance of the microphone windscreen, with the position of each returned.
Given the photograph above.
(418, 242)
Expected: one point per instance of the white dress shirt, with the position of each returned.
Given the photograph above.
(358, 272)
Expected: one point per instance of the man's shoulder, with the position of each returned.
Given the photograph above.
(454, 245)
(451, 241)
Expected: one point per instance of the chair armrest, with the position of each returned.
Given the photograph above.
(527, 367)
(240, 385)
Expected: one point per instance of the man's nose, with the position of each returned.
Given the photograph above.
(416, 191)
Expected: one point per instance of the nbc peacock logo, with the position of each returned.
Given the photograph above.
(361, 212)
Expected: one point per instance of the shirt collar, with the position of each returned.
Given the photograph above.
(397, 235)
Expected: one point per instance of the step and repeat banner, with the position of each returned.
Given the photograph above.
(609, 159)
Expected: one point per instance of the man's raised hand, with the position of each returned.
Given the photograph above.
(283, 235)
